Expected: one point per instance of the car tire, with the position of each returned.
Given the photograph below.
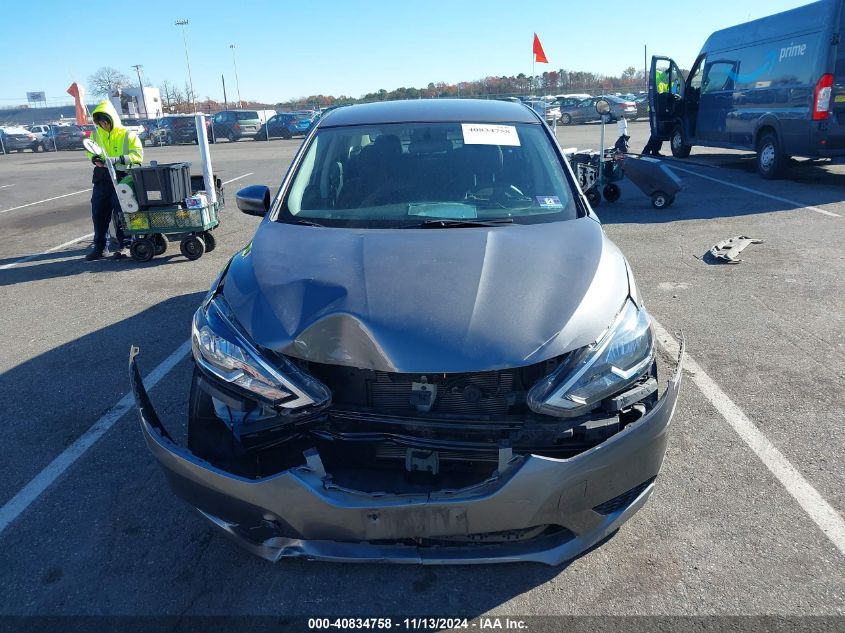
(142, 249)
(679, 148)
(232, 137)
(192, 247)
(566, 119)
(611, 192)
(771, 161)
(593, 197)
(660, 200)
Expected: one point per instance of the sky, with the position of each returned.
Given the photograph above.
(285, 50)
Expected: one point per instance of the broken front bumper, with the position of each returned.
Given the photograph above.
(572, 503)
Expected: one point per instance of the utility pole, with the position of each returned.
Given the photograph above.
(137, 68)
(225, 101)
(182, 23)
(237, 81)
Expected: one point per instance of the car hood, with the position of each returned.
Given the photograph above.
(427, 300)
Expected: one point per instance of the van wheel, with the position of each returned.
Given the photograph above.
(679, 148)
(770, 159)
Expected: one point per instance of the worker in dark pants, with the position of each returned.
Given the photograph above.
(124, 150)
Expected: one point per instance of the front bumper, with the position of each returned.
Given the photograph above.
(300, 512)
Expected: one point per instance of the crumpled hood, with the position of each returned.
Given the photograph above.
(427, 300)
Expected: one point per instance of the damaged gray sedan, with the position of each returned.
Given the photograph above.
(429, 353)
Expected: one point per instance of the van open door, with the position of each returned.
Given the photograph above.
(666, 87)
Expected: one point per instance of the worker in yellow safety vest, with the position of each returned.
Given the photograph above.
(123, 149)
(654, 144)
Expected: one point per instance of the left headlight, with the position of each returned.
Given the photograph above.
(225, 352)
(591, 374)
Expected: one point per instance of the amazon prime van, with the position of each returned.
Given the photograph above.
(775, 86)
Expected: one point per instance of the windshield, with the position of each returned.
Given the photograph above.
(397, 175)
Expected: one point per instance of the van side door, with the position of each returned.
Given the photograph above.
(716, 102)
(666, 87)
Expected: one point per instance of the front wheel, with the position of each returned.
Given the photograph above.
(192, 247)
(679, 148)
(611, 192)
(142, 249)
(770, 159)
(661, 200)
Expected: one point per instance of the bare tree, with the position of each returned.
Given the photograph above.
(106, 80)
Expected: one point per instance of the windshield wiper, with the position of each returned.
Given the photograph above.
(308, 223)
(443, 223)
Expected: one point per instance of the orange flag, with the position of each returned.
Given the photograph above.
(539, 55)
(78, 93)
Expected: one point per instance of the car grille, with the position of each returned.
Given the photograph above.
(466, 394)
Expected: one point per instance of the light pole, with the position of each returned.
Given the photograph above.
(237, 81)
(182, 23)
(137, 68)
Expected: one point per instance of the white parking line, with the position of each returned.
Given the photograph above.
(75, 240)
(23, 206)
(820, 511)
(757, 192)
(238, 178)
(49, 250)
(43, 480)
(4, 186)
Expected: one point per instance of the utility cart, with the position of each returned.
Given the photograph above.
(595, 173)
(170, 205)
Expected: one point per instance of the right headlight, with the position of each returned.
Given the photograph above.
(595, 372)
(222, 350)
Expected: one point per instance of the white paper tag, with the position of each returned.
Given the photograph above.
(488, 134)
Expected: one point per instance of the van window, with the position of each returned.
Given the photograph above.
(718, 76)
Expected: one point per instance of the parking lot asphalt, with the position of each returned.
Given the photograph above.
(725, 533)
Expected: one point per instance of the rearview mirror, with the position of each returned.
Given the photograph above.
(254, 200)
(602, 106)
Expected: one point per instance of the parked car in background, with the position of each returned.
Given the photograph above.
(284, 125)
(235, 124)
(136, 125)
(585, 111)
(88, 129)
(347, 404)
(642, 106)
(17, 139)
(176, 129)
(64, 137)
(548, 111)
(39, 131)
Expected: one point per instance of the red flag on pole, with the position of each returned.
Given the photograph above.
(78, 93)
(539, 55)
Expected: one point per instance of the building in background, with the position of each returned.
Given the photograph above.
(129, 103)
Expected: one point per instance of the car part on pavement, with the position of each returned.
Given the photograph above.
(729, 250)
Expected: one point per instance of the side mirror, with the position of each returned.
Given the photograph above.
(254, 200)
(602, 106)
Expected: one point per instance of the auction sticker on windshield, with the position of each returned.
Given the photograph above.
(485, 134)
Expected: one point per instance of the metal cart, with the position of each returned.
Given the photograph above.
(595, 173)
(150, 228)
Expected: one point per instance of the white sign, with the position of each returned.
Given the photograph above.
(488, 134)
(35, 97)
